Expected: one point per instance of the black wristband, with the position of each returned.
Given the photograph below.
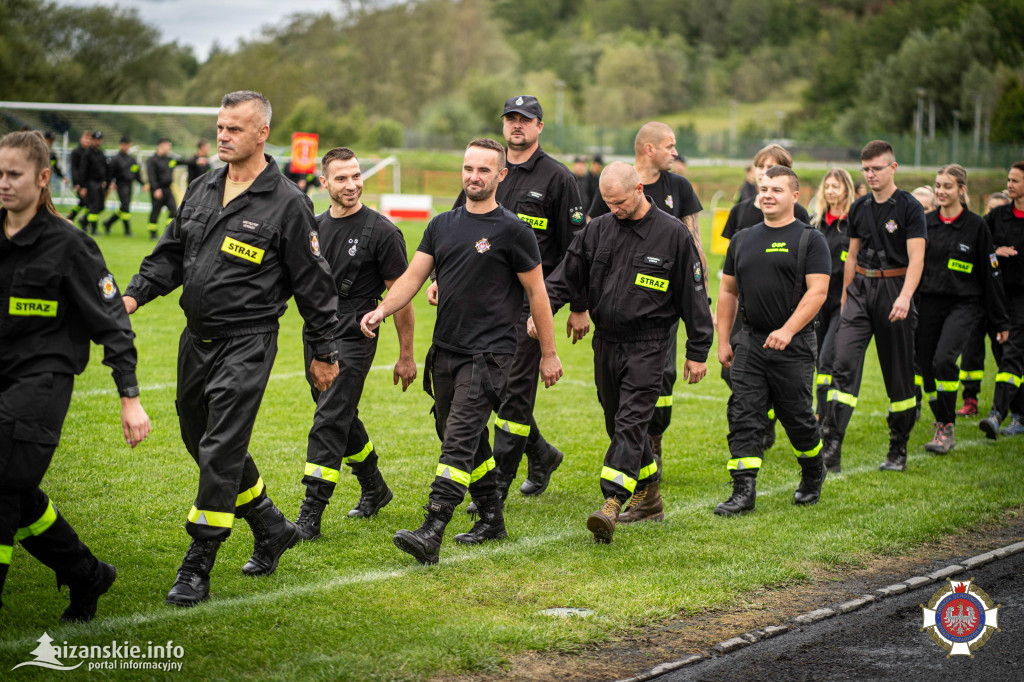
(330, 358)
(128, 392)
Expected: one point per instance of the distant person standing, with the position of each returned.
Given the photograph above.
(679, 165)
(200, 163)
(75, 171)
(122, 170)
(93, 188)
(579, 170)
(925, 195)
(748, 190)
(55, 170)
(160, 170)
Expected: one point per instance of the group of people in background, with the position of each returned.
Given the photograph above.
(801, 296)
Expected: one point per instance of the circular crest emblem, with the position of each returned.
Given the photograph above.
(960, 618)
(314, 243)
(107, 287)
(891, 226)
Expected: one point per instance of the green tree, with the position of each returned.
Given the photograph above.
(1008, 117)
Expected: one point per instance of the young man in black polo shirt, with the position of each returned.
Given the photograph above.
(776, 276)
(485, 258)
(366, 253)
(883, 269)
(655, 149)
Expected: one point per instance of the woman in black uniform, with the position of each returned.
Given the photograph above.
(56, 295)
(961, 279)
(831, 206)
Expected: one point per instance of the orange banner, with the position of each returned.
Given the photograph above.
(304, 151)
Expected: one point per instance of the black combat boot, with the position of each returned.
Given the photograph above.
(539, 469)
(273, 534)
(832, 453)
(502, 484)
(108, 224)
(812, 476)
(375, 496)
(91, 582)
(193, 582)
(990, 424)
(310, 515)
(896, 460)
(743, 494)
(490, 525)
(424, 543)
(645, 505)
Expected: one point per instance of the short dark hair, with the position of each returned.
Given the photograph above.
(202, 141)
(1019, 166)
(876, 148)
(233, 99)
(336, 154)
(162, 140)
(784, 171)
(488, 143)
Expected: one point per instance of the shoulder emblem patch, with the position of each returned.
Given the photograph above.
(994, 260)
(107, 287)
(697, 274)
(576, 215)
(314, 243)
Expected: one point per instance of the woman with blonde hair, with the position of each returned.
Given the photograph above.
(831, 206)
(960, 283)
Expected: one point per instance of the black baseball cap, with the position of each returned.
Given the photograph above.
(98, 135)
(527, 105)
(49, 135)
(125, 139)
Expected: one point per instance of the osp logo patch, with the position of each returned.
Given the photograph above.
(960, 618)
(482, 245)
(891, 226)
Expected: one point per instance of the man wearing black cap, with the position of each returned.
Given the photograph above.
(543, 192)
(55, 170)
(122, 170)
(160, 169)
(93, 183)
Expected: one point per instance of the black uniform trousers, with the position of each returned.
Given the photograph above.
(629, 380)
(828, 325)
(32, 411)
(124, 213)
(94, 196)
(338, 435)
(220, 387)
(166, 199)
(663, 408)
(515, 429)
(943, 325)
(868, 304)
(972, 360)
(762, 377)
(466, 389)
(1009, 394)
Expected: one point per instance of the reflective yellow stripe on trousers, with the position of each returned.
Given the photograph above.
(40, 525)
(512, 427)
(947, 386)
(359, 456)
(609, 474)
(202, 517)
(743, 463)
(808, 453)
(322, 472)
(844, 398)
(903, 405)
(1007, 378)
(453, 474)
(247, 496)
(482, 470)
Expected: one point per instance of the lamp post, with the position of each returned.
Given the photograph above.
(919, 125)
(559, 107)
(732, 128)
(956, 134)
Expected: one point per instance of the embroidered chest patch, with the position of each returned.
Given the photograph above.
(482, 246)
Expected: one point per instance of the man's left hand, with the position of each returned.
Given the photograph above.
(778, 340)
(694, 371)
(577, 326)
(900, 309)
(550, 370)
(405, 369)
(323, 374)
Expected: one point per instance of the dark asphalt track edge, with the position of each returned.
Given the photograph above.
(912, 583)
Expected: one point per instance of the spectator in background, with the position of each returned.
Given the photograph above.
(748, 190)
(679, 165)
(860, 189)
(200, 163)
(593, 179)
(55, 170)
(926, 196)
(579, 169)
(160, 171)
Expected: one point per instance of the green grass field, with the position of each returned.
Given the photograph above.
(351, 606)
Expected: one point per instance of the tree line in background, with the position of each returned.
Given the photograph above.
(380, 67)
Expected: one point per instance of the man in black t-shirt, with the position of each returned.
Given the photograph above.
(485, 258)
(366, 253)
(655, 148)
(776, 276)
(883, 268)
(200, 163)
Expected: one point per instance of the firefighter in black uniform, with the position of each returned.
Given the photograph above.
(200, 163)
(640, 274)
(93, 180)
(543, 192)
(655, 149)
(883, 269)
(56, 295)
(960, 285)
(243, 242)
(55, 171)
(366, 253)
(485, 258)
(1007, 224)
(776, 276)
(122, 170)
(75, 170)
(160, 171)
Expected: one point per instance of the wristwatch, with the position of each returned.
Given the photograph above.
(330, 358)
(129, 392)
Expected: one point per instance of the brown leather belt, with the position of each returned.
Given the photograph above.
(874, 274)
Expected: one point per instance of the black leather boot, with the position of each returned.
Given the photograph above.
(375, 496)
(310, 515)
(424, 543)
(832, 453)
(86, 588)
(192, 585)
(812, 476)
(743, 494)
(502, 484)
(539, 470)
(273, 534)
(896, 460)
(489, 526)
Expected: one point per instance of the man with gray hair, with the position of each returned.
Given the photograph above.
(639, 274)
(244, 240)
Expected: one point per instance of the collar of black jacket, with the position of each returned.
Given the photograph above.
(530, 162)
(28, 235)
(264, 182)
(642, 227)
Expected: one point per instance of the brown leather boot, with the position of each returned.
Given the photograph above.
(645, 505)
(602, 522)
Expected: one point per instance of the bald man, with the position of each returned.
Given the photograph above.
(640, 274)
(655, 148)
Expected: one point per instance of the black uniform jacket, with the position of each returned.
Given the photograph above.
(56, 294)
(838, 237)
(77, 155)
(543, 192)
(239, 264)
(960, 262)
(93, 167)
(638, 278)
(1008, 230)
(160, 170)
(122, 169)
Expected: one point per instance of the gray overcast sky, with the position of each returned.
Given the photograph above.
(200, 23)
